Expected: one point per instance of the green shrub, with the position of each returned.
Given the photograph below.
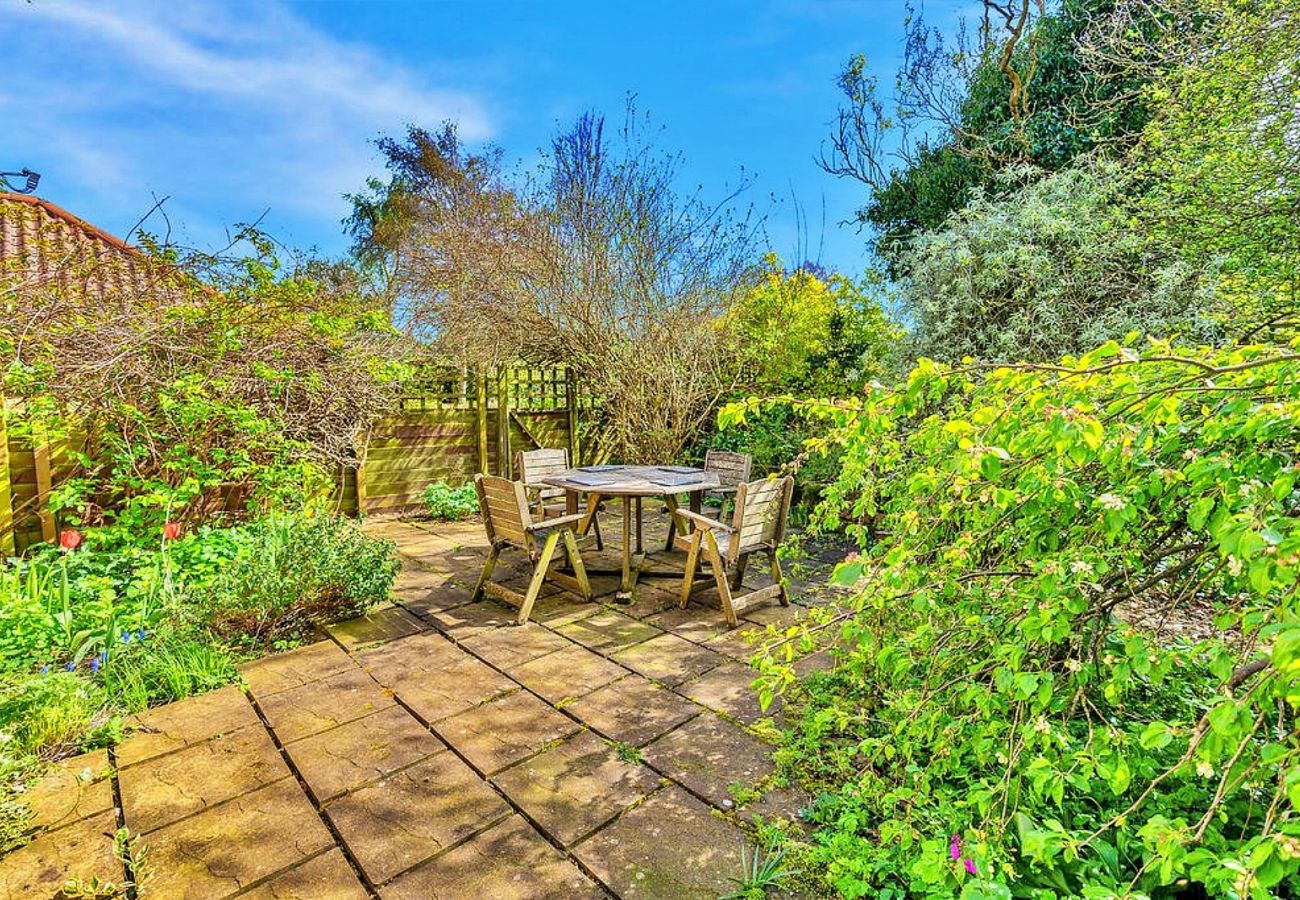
(290, 571)
(1072, 667)
(446, 502)
(45, 715)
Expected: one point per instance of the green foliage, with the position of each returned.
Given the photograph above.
(1221, 151)
(448, 503)
(289, 571)
(804, 333)
(47, 714)
(1073, 664)
(761, 871)
(1049, 268)
(176, 662)
(959, 99)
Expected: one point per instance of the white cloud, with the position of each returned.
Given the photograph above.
(236, 107)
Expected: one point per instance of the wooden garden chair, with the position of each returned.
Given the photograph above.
(757, 526)
(532, 466)
(732, 470)
(509, 523)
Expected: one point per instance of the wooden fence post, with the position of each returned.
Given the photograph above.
(8, 546)
(571, 404)
(482, 401)
(503, 421)
(44, 480)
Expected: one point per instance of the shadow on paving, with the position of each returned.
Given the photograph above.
(434, 749)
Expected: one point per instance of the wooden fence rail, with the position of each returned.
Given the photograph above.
(456, 422)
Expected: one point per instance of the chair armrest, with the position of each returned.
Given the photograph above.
(571, 519)
(703, 522)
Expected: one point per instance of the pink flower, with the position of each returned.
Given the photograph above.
(69, 539)
(171, 531)
(970, 867)
(954, 848)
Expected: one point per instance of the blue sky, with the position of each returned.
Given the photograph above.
(234, 109)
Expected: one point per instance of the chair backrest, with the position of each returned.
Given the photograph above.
(533, 465)
(504, 508)
(731, 468)
(762, 508)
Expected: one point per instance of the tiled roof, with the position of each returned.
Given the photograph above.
(44, 246)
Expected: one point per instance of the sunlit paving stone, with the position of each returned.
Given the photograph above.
(323, 704)
(377, 627)
(297, 667)
(414, 814)
(668, 658)
(504, 731)
(728, 690)
(186, 722)
(506, 648)
(70, 791)
(708, 755)
(167, 788)
(578, 785)
(324, 877)
(608, 631)
(633, 710)
(232, 846)
(671, 846)
(509, 861)
(83, 850)
(361, 751)
(570, 673)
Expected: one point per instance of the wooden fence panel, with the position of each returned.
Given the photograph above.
(461, 423)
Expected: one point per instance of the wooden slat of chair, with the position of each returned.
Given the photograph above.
(509, 523)
(758, 526)
(534, 465)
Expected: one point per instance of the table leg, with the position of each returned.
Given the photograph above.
(639, 546)
(670, 500)
(570, 502)
(625, 593)
(697, 501)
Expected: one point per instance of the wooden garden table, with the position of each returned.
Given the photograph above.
(632, 484)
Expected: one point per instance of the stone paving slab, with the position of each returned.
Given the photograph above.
(576, 786)
(668, 659)
(567, 673)
(424, 654)
(506, 648)
(164, 789)
(471, 618)
(321, 705)
(295, 668)
(186, 722)
(414, 814)
(727, 690)
(739, 643)
(461, 683)
(633, 710)
(377, 627)
(82, 850)
(504, 731)
(72, 790)
(361, 751)
(233, 846)
(671, 846)
(695, 623)
(608, 631)
(325, 877)
(708, 755)
(509, 861)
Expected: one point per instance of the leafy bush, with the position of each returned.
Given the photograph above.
(1073, 664)
(48, 714)
(1052, 267)
(289, 571)
(446, 502)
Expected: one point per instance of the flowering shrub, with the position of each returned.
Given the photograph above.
(1072, 667)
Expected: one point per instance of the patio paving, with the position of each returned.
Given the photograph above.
(433, 749)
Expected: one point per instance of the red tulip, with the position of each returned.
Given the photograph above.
(69, 539)
(171, 531)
